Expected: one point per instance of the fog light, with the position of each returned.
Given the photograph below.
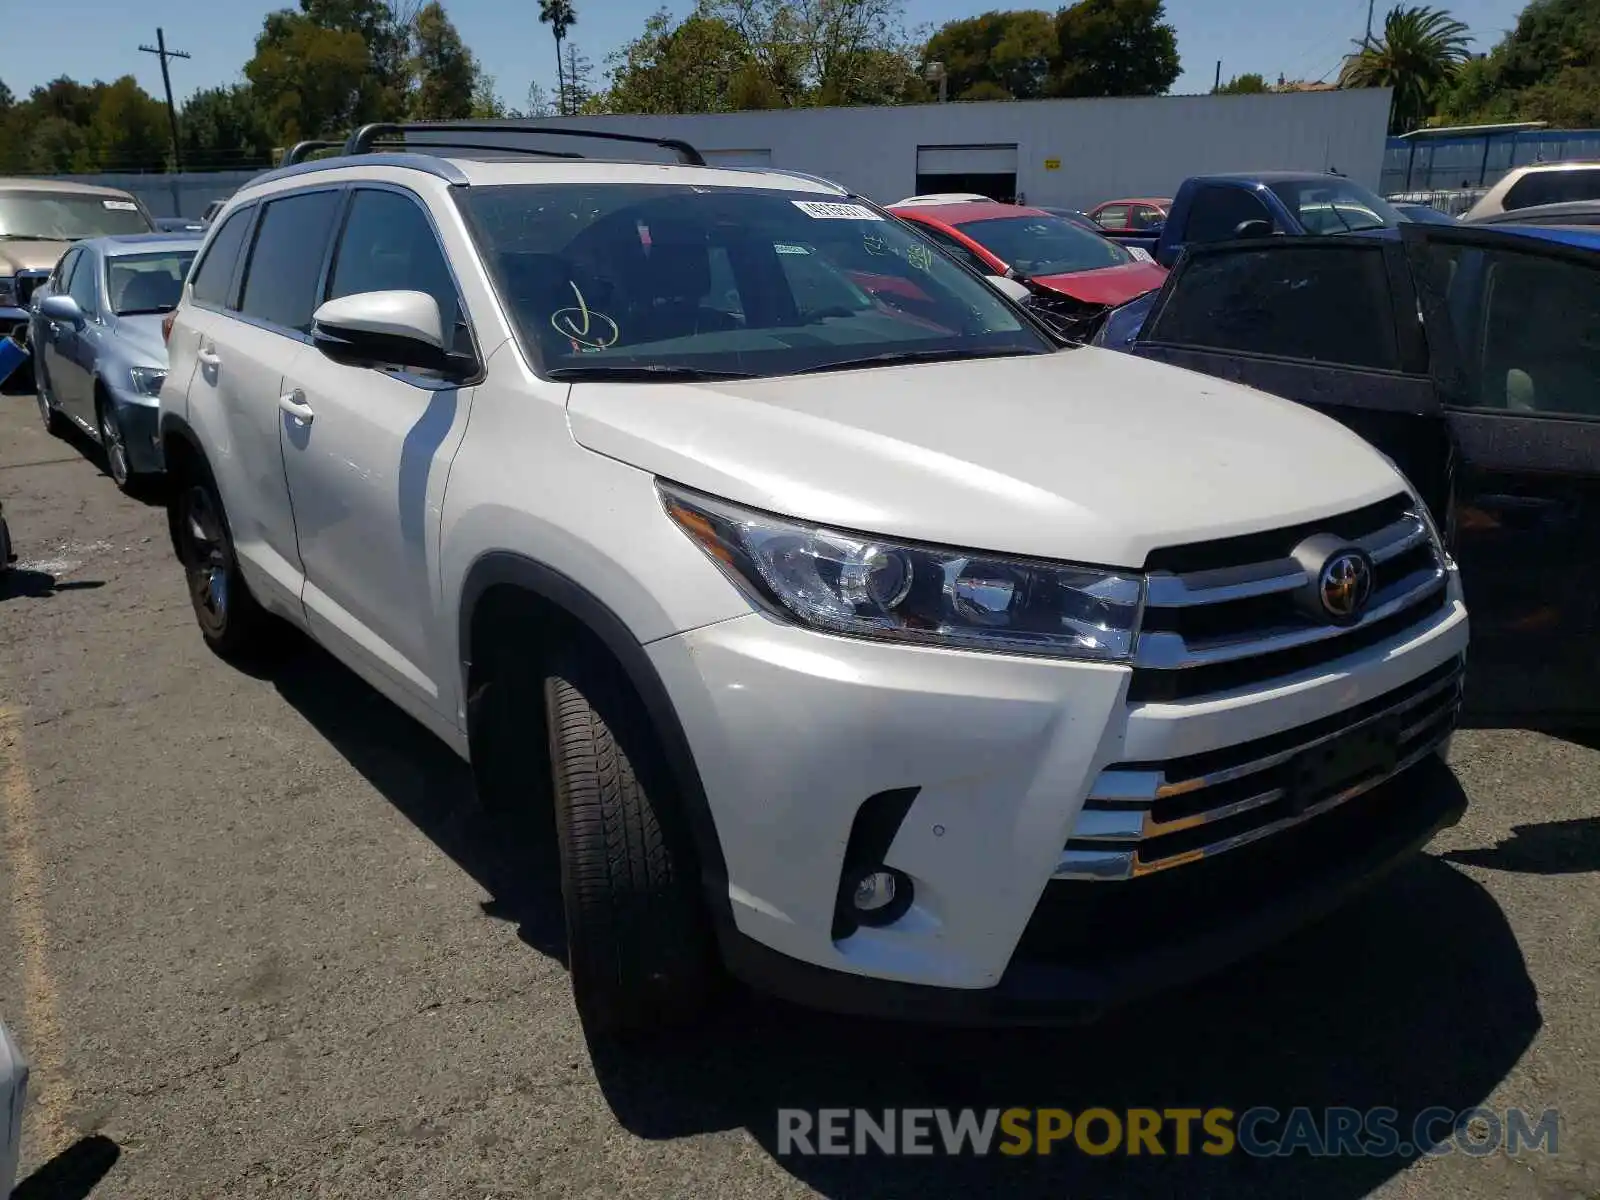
(874, 891)
(879, 896)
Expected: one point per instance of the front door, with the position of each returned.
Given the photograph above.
(1514, 322)
(367, 459)
(1329, 322)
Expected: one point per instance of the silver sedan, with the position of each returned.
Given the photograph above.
(99, 356)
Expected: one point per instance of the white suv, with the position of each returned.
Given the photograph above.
(888, 653)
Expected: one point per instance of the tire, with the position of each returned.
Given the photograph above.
(233, 624)
(54, 423)
(114, 446)
(639, 941)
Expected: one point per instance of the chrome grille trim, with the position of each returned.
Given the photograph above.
(1172, 652)
(1203, 628)
(1118, 834)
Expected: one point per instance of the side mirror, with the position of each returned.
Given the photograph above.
(1256, 228)
(1010, 288)
(385, 329)
(62, 308)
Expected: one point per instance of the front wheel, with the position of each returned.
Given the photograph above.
(639, 941)
(230, 620)
(54, 423)
(114, 445)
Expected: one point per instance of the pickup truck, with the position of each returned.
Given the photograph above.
(1221, 208)
(1464, 354)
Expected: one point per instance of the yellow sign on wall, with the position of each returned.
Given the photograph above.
(1052, 164)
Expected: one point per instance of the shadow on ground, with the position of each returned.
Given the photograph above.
(1414, 996)
(22, 581)
(72, 1174)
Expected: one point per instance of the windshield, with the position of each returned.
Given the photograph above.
(66, 217)
(664, 280)
(147, 283)
(1045, 245)
(1336, 206)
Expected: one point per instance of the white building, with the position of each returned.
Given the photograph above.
(1073, 153)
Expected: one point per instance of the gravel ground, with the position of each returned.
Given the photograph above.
(261, 940)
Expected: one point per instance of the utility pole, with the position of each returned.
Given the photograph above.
(160, 48)
(1217, 86)
(1370, 5)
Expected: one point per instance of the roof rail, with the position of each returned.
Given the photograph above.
(302, 151)
(403, 146)
(362, 140)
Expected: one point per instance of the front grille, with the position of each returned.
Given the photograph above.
(1224, 615)
(1141, 818)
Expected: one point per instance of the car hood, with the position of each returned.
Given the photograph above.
(30, 256)
(1108, 285)
(1083, 454)
(139, 339)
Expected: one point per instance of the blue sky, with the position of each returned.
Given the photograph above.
(101, 38)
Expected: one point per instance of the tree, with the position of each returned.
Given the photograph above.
(308, 78)
(560, 16)
(222, 128)
(1418, 55)
(6, 98)
(445, 71)
(996, 56)
(685, 68)
(1242, 85)
(385, 29)
(539, 104)
(578, 81)
(819, 51)
(129, 130)
(1546, 69)
(1114, 48)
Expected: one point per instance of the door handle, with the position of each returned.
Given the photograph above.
(294, 403)
(208, 357)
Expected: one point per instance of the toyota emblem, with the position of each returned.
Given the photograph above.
(1345, 584)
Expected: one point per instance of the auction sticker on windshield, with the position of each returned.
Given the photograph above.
(121, 205)
(823, 211)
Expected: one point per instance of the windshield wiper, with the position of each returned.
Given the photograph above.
(32, 237)
(913, 356)
(648, 371)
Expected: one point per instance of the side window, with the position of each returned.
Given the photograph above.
(62, 274)
(389, 245)
(215, 272)
(1112, 216)
(280, 284)
(1553, 187)
(816, 285)
(1318, 304)
(956, 250)
(84, 285)
(1145, 217)
(1217, 212)
(1526, 327)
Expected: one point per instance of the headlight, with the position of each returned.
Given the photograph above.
(8, 291)
(147, 380)
(873, 587)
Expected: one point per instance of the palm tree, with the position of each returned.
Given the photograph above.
(560, 16)
(1418, 55)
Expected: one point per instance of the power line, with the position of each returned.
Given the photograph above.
(160, 49)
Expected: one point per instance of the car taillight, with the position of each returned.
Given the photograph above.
(166, 325)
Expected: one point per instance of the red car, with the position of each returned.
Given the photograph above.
(1049, 251)
(1132, 216)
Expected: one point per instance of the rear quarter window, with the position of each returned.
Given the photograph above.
(1318, 304)
(1553, 187)
(215, 272)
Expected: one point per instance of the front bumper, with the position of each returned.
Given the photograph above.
(792, 731)
(140, 418)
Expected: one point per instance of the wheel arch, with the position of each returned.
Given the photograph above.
(504, 572)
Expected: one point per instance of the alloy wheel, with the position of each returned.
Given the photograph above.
(116, 450)
(205, 555)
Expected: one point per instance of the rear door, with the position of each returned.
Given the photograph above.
(1329, 322)
(1514, 324)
